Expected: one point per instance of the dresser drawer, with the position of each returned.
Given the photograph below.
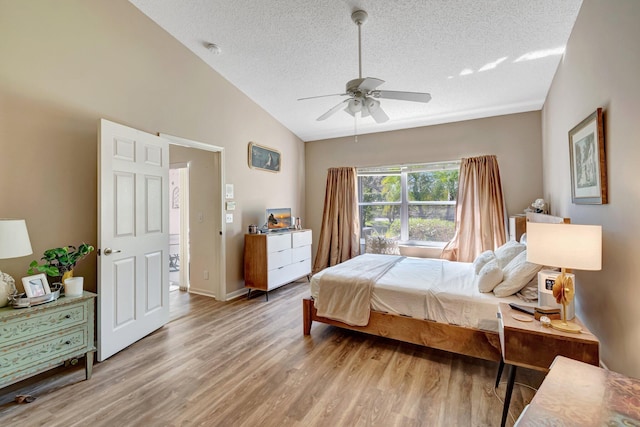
(301, 238)
(278, 242)
(278, 259)
(301, 253)
(17, 360)
(41, 323)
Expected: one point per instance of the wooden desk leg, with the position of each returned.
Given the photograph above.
(88, 364)
(507, 397)
(500, 368)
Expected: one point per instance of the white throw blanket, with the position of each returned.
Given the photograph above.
(345, 289)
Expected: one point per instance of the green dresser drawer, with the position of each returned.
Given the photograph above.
(16, 360)
(41, 323)
(42, 337)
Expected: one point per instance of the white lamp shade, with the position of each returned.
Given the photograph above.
(565, 245)
(14, 238)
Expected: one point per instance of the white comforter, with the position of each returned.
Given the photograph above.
(424, 288)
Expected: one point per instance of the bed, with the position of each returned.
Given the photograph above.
(430, 302)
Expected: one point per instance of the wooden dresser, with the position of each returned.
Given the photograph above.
(273, 260)
(39, 338)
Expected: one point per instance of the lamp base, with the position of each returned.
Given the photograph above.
(564, 326)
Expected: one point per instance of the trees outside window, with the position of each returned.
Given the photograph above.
(412, 204)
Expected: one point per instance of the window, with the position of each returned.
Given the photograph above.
(413, 204)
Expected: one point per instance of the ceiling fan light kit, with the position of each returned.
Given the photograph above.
(362, 91)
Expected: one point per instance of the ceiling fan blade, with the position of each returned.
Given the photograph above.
(369, 84)
(379, 115)
(332, 110)
(373, 107)
(403, 96)
(322, 96)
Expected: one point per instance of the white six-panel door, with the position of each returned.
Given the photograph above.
(133, 236)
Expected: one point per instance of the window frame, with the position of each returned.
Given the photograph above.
(403, 171)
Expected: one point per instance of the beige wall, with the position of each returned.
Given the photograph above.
(600, 69)
(64, 65)
(514, 139)
(204, 216)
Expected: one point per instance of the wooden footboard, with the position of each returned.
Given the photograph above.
(457, 339)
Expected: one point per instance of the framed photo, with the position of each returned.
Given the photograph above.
(264, 158)
(588, 162)
(36, 286)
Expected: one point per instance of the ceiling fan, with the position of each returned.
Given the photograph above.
(362, 92)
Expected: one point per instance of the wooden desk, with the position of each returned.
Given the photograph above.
(581, 395)
(531, 345)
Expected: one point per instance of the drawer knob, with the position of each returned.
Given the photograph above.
(68, 342)
(68, 316)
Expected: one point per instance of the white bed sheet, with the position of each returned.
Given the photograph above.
(433, 289)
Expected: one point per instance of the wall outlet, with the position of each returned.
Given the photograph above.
(229, 218)
(206, 275)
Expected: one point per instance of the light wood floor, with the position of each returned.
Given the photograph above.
(247, 363)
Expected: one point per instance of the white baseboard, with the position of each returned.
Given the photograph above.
(603, 366)
(236, 294)
(201, 292)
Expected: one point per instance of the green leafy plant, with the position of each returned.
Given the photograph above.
(58, 261)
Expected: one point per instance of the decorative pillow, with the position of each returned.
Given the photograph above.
(508, 251)
(530, 291)
(516, 275)
(482, 259)
(381, 245)
(489, 276)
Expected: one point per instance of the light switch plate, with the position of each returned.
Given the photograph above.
(231, 206)
(229, 218)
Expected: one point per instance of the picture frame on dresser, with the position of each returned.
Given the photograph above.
(36, 285)
(588, 161)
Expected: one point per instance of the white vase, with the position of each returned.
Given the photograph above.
(73, 286)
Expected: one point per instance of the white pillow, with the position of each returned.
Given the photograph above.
(516, 275)
(489, 276)
(482, 259)
(529, 292)
(508, 251)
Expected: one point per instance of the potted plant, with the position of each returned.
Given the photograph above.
(59, 262)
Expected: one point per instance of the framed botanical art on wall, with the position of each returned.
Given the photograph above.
(588, 162)
(265, 158)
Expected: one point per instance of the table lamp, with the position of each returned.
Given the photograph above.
(568, 246)
(14, 243)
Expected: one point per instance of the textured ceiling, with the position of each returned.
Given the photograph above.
(477, 58)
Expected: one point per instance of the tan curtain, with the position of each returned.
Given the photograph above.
(339, 235)
(480, 210)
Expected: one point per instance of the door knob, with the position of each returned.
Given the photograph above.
(110, 251)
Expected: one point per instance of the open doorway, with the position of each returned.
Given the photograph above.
(199, 242)
(179, 226)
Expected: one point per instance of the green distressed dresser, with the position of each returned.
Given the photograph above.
(39, 338)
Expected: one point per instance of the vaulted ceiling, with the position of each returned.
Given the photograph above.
(477, 58)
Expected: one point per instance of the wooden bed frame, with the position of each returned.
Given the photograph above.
(457, 339)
